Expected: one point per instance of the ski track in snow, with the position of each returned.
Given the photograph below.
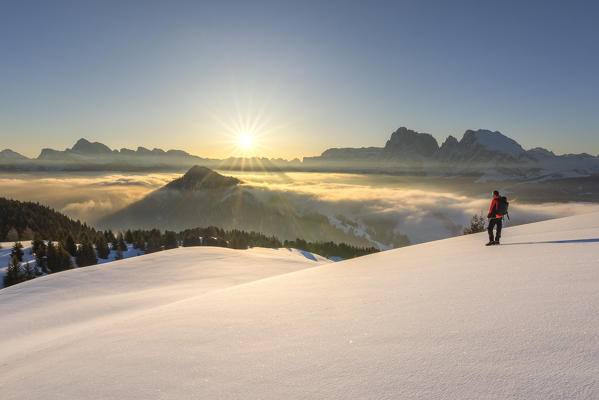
(444, 319)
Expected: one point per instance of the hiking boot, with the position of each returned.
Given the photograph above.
(491, 243)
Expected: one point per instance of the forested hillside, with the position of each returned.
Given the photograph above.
(21, 220)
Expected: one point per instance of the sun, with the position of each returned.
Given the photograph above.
(245, 140)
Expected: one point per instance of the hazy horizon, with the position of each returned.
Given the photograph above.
(298, 78)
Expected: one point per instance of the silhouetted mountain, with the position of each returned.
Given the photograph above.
(408, 145)
(198, 178)
(9, 155)
(477, 152)
(203, 197)
(83, 146)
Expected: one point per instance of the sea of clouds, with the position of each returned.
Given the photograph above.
(377, 204)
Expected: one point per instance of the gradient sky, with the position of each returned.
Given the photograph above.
(304, 76)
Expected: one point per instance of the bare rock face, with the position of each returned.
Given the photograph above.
(408, 144)
(84, 146)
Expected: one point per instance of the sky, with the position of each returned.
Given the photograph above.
(300, 77)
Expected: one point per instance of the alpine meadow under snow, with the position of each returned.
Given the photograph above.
(444, 319)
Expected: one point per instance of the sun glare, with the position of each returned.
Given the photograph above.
(245, 140)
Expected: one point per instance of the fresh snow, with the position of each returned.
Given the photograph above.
(445, 319)
(495, 141)
(29, 258)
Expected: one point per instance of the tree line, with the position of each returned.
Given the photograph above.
(71, 243)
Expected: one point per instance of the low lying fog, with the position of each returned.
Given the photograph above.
(370, 202)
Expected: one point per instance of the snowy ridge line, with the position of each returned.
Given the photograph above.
(444, 319)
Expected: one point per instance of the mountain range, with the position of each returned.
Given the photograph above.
(406, 152)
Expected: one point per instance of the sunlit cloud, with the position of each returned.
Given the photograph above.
(383, 209)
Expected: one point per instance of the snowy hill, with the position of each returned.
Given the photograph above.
(445, 319)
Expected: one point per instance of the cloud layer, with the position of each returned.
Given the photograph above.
(376, 206)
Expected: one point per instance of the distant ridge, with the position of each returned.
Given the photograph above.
(407, 152)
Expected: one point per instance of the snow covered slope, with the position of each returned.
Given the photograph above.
(446, 319)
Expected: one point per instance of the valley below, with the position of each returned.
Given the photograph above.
(384, 210)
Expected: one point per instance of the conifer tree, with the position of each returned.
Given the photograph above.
(122, 246)
(17, 251)
(154, 241)
(29, 271)
(64, 259)
(86, 255)
(70, 245)
(14, 274)
(477, 224)
(170, 240)
(114, 245)
(119, 254)
(102, 247)
(129, 236)
(139, 241)
(40, 254)
(37, 243)
(52, 264)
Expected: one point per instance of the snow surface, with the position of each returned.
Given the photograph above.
(495, 141)
(29, 258)
(446, 319)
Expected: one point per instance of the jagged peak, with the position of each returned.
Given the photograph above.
(407, 140)
(85, 146)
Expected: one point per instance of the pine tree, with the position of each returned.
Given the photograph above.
(14, 274)
(17, 251)
(70, 245)
(109, 236)
(115, 242)
(129, 236)
(102, 247)
(40, 255)
(477, 224)
(52, 262)
(29, 272)
(122, 246)
(86, 255)
(64, 259)
(37, 243)
(119, 254)
(170, 240)
(154, 241)
(139, 241)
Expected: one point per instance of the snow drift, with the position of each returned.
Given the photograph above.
(445, 319)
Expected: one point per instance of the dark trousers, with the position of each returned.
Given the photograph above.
(495, 222)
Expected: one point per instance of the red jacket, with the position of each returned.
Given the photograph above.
(493, 208)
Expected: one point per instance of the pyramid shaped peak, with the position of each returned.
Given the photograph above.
(200, 177)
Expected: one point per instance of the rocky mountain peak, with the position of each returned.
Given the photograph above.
(84, 146)
(405, 141)
(199, 177)
(493, 142)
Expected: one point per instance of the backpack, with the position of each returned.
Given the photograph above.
(502, 206)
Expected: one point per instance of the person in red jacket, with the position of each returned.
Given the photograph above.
(494, 219)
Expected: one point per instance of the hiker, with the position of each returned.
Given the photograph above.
(495, 218)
